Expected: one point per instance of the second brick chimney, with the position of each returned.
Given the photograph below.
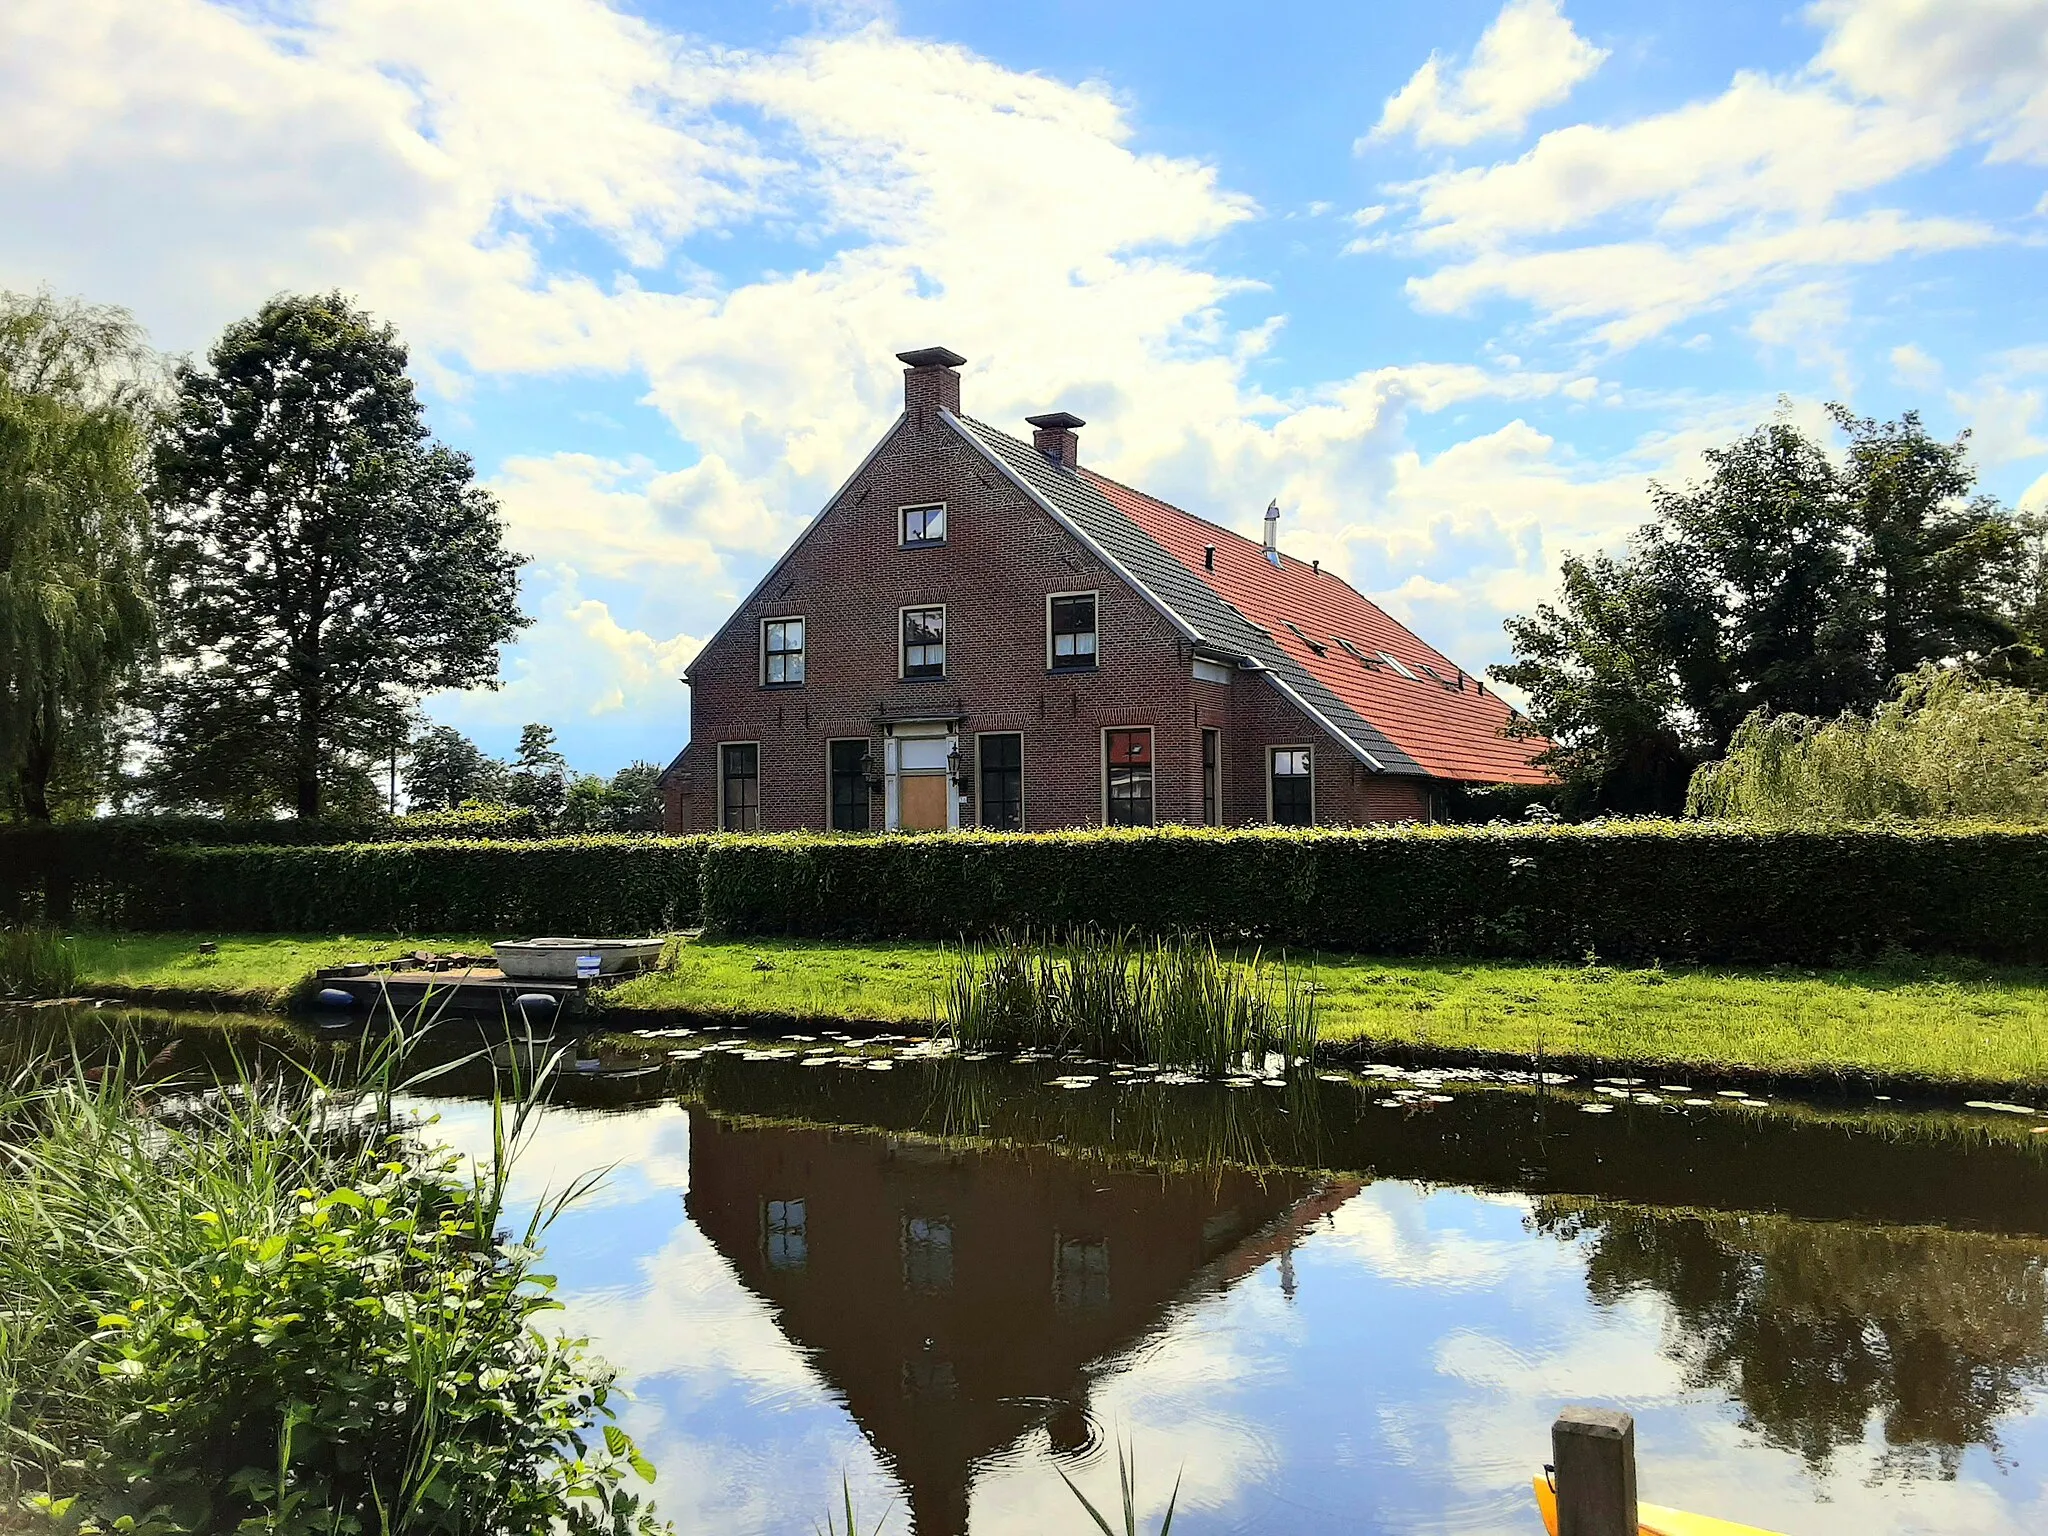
(929, 382)
(1053, 436)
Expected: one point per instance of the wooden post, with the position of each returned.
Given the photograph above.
(1594, 1450)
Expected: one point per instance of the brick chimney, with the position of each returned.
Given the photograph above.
(1053, 436)
(929, 382)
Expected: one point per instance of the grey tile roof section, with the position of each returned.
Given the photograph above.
(1211, 623)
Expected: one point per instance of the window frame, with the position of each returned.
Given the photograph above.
(723, 776)
(1094, 663)
(980, 769)
(1307, 747)
(1212, 775)
(1152, 771)
(903, 538)
(903, 672)
(1400, 667)
(802, 652)
(867, 794)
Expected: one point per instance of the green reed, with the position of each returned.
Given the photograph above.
(253, 1299)
(1173, 1002)
(36, 962)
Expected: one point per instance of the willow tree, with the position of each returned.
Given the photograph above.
(324, 562)
(75, 416)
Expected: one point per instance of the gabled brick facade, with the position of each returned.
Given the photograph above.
(1021, 523)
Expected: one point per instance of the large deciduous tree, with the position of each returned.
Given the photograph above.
(75, 616)
(1786, 581)
(324, 563)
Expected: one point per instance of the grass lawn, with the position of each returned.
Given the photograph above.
(260, 969)
(1958, 1022)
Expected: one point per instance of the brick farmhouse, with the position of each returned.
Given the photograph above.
(977, 631)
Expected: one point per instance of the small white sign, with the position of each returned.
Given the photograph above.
(587, 967)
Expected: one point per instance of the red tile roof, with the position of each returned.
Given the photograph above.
(1452, 732)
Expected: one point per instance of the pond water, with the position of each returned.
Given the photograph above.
(1339, 1303)
(1349, 1305)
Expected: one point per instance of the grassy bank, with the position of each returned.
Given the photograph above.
(259, 970)
(1958, 1023)
(1966, 1023)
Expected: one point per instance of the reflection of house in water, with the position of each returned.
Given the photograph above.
(958, 1299)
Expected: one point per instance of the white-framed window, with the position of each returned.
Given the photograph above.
(1127, 776)
(921, 524)
(923, 651)
(1070, 631)
(1291, 786)
(739, 786)
(1395, 662)
(782, 651)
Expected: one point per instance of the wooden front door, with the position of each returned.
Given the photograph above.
(921, 801)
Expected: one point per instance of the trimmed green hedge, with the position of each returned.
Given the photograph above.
(581, 885)
(89, 873)
(1631, 892)
(1628, 892)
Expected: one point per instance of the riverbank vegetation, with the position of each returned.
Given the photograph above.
(265, 1305)
(1950, 746)
(1938, 1021)
(1114, 997)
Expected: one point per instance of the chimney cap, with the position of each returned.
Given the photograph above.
(1056, 421)
(931, 357)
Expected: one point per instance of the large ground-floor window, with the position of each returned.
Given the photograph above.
(1294, 803)
(1127, 770)
(739, 786)
(1001, 766)
(849, 774)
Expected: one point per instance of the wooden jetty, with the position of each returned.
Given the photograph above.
(468, 991)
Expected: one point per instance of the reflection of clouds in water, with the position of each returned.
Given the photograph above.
(645, 1151)
(744, 1435)
(1408, 1385)
(1177, 1402)
(1402, 1236)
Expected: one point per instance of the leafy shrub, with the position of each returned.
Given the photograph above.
(1949, 747)
(36, 962)
(89, 873)
(609, 885)
(260, 1317)
(1629, 891)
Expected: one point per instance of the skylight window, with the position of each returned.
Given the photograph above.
(1457, 686)
(1395, 663)
(1370, 663)
(1295, 630)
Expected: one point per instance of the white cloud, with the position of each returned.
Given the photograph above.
(1981, 65)
(1528, 59)
(1628, 229)
(578, 661)
(1912, 367)
(1630, 291)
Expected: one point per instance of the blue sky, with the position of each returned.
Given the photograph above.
(1453, 282)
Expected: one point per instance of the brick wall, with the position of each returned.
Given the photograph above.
(848, 578)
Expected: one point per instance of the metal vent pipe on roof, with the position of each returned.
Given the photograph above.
(1273, 524)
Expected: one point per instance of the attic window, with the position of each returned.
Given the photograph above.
(1370, 663)
(1395, 663)
(1295, 630)
(1444, 682)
